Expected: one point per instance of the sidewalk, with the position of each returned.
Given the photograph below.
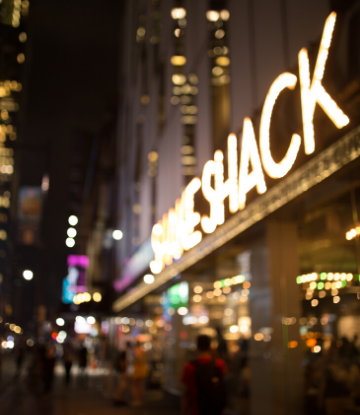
(77, 400)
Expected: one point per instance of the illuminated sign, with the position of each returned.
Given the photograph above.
(176, 233)
(75, 281)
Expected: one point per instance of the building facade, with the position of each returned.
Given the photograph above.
(238, 136)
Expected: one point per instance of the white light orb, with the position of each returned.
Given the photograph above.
(149, 278)
(73, 220)
(70, 242)
(60, 321)
(91, 320)
(71, 232)
(117, 235)
(28, 275)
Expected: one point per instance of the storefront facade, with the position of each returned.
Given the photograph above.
(261, 251)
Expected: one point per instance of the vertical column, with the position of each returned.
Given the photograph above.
(276, 368)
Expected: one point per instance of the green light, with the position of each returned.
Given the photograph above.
(323, 276)
(320, 285)
(344, 283)
(298, 280)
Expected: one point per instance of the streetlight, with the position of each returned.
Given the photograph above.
(70, 242)
(73, 220)
(28, 275)
(71, 232)
(149, 278)
(60, 321)
(117, 235)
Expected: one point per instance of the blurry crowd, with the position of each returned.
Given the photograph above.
(332, 376)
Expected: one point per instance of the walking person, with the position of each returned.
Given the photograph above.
(122, 366)
(68, 358)
(82, 360)
(139, 375)
(203, 378)
(48, 367)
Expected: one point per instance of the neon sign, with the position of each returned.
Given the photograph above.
(176, 233)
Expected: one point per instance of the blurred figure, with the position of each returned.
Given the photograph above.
(82, 360)
(222, 348)
(20, 353)
(139, 375)
(122, 364)
(48, 367)
(203, 378)
(68, 358)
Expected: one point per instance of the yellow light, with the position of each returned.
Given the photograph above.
(86, 297)
(22, 37)
(97, 297)
(249, 153)
(217, 71)
(212, 15)
(178, 79)
(234, 329)
(327, 285)
(293, 344)
(178, 13)
(313, 285)
(157, 229)
(222, 61)
(198, 289)
(219, 34)
(352, 233)
(225, 15)
(273, 169)
(217, 292)
(178, 60)
(336, 299)
(197, 298)
(210, 294)
(258, 337)
(20, 58)
(217, 284)
(156, 267)
(315, 93)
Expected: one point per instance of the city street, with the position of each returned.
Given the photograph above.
(79, 400)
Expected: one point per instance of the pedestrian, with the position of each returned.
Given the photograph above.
(48, 367)
(121, 367)
(203, 379)
(20, 353)
(68, 358)
(82, 360)
(140, 372)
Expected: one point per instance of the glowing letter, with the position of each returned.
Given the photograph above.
(216, 196)
(249, 152)
(231, 185)
(190, 238)
(157, 236)
(276, 170)
(310, 95)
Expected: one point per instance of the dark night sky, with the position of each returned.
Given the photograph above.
(72, 78)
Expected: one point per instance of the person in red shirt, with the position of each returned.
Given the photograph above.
(204, 392)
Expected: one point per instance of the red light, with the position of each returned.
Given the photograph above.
(54, 336)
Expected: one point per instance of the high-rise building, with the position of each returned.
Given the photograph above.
(13, 62)
(239, 193)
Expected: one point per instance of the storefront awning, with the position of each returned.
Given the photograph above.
(310, 174)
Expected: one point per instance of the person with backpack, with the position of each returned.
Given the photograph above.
(203, 378)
